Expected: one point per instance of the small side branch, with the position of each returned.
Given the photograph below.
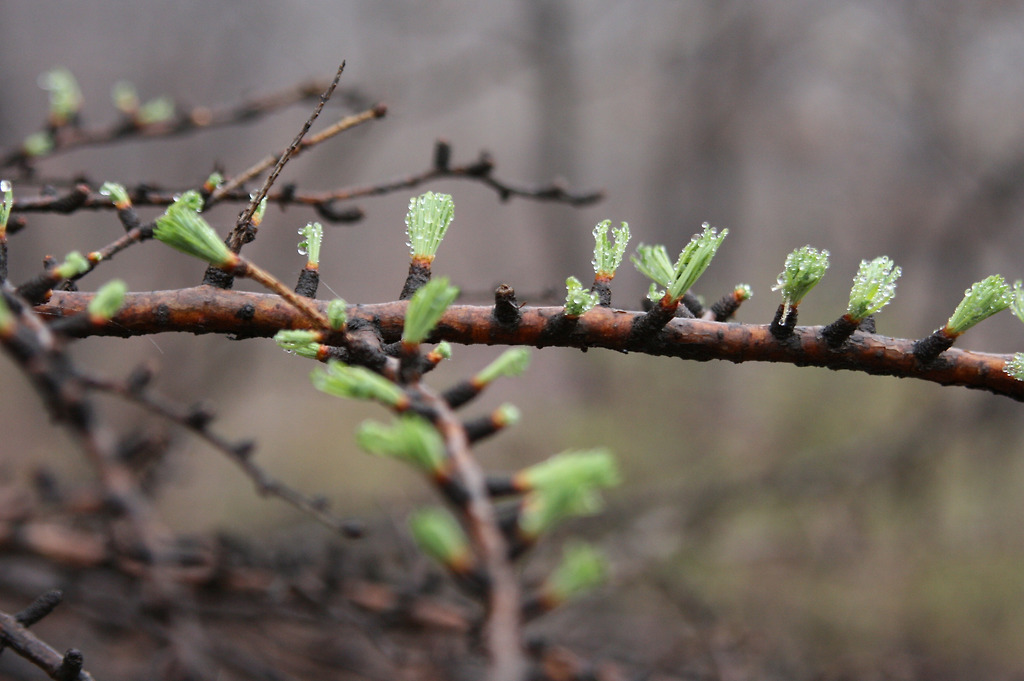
(66, 667)
(198, 421)
(197, 118)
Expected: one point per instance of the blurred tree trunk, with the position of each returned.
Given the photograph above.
(694, 174)
(557, 136)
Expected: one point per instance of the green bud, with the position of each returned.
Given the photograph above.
(337, 314)
(410, 438)
(38, 144)
(261, 210)
(578, 299)
(181, 227)
(653, 262)
(803, 270)
(125, 96)
(157, 110)
(117, 193)
(74, 264)
(512, 362)
(507, 415)
(301, 342)
(426, 223)
(213, 181)
(65, 96)
(608, 256)
(874, 287)
(443, 350)
(190, 199)
(5, 205)
(342, 380)
(108, 300)
(1017, 302)
(582, 568)
(1015, 367)
(312, 236)
(426, 308)
(743, 292)
(981, 301)
(441, 537)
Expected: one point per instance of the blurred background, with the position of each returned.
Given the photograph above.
(796, 521)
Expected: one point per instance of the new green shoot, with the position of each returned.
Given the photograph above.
(802, 271)
(409, 437)
(426, 308)
(578, 299)
(108, 300)
(981, 301)
(181, 227)
(874, 286)
(608, 251)
(427, 222)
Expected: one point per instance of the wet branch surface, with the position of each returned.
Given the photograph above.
(205, 309)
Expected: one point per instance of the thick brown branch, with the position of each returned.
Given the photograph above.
(208, 310)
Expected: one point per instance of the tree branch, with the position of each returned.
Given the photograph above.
(185, 121)
(27, 645)
(208, 310)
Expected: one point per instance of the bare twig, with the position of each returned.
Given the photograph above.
(26, 644)
(42, 359)
(238, 237)
(197, 421)
(479, 170)
(322, 202)
(196, 118)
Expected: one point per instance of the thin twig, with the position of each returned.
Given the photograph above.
(66, 395)
(245, 220)
(153, 195)
(195, 119)
(197, 422)
(304, 305)
(478, 170)
(35, 650)
(229, 190)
